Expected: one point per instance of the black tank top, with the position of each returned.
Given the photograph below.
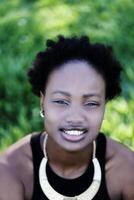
(68, 187)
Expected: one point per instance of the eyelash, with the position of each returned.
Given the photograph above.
(61, 102)
(90, 104)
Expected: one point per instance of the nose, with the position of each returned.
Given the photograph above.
(75, 117)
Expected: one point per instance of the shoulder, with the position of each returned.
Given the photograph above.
(10, 185)
(119, 168)
(118, 154)
(15, 154)
(15, 163)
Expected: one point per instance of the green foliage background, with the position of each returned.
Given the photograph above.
(24, 27)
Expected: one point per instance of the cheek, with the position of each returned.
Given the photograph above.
(52, 117)
(96, 118)
(52, 112)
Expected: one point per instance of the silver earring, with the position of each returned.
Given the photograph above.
(42, 113)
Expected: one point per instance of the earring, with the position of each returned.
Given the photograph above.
(42, 113)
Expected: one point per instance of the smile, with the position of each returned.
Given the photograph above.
(74, 132)
(73, 135)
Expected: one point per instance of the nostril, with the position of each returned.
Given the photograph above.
(75, 119)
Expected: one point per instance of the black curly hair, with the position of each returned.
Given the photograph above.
(63, 50)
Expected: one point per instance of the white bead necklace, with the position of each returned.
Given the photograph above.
(88, 194)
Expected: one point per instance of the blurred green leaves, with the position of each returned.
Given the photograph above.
(24, 27)
(118, 121)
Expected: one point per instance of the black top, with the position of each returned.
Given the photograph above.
(68, 187)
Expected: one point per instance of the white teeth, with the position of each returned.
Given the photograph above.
(74, 132)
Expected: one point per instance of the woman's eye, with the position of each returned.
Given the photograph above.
(92, 104)
(61, 102)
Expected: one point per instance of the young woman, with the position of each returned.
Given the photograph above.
(71, 159)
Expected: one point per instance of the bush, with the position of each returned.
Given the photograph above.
(25, 26)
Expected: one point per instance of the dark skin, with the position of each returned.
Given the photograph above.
(65, 106)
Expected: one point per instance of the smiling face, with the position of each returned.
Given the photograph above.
(74, 104)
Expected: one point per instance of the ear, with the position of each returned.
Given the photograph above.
(42, 97)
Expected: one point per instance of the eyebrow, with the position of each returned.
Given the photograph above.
(91, 95)
(61, 92)
(84, 96)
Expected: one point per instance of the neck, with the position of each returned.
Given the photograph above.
(68, 164)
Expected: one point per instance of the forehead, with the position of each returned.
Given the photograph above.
(76, 77)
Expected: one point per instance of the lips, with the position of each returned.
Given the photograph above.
(73, 135)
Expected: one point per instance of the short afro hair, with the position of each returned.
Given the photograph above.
(63, 50)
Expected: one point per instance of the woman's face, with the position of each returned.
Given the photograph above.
(74, 104)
